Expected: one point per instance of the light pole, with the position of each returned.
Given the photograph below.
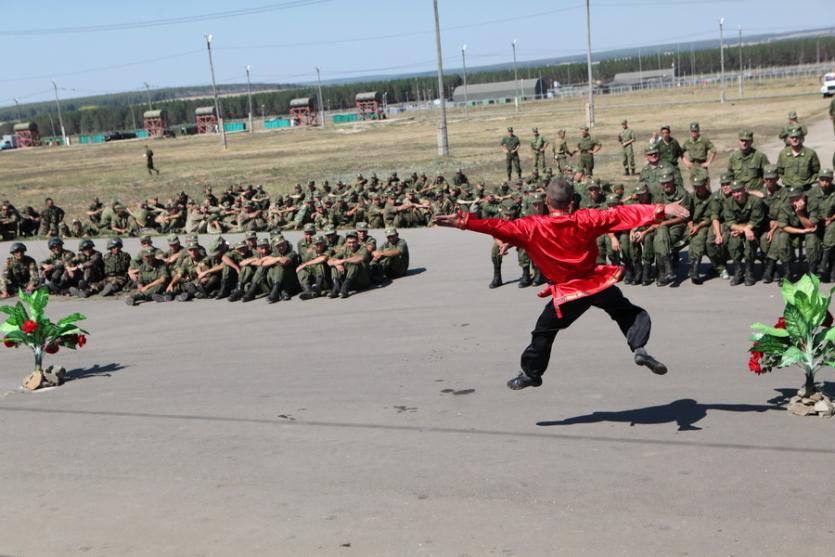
(60, 118)
(249, 95)
(132, 116)
(640, 69)
(148, 95)
(319, 102)
(464, 63)
(443, 140)
(17, 105)
(741, 90)
(214, 91)
(721, 59)
(588, 64)
(515, 76)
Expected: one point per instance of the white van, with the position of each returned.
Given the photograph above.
(828, 88)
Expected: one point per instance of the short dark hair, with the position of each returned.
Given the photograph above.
(560, 193)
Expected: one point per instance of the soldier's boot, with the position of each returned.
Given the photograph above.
(637, 273)
(108, 290)
(738, 274)
(750, 280)
(337, 285)
(345, 291)
(538, 279)
(813, 268)
(666, 276)
(825, 269)
(74, 291)
(249, 295)
(525, 281)
(224, 291)
(768, 273)
(184, 296)
(199, 292)
(307, 292)
(161, 298)
(629, 273)
(832, 270)
(694, 271)
(236, 295)
(647, 274)
(133, 299)
(778, 276)
(497, 276)
(275, 294)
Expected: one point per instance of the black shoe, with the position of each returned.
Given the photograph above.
(161, 298)
(749, 274)
(183, 297)
(523, 380)
(525, 281)
(768, 274)
(644, 359)
(131, 301)
(222, 293)
(497, 280)
(694, 273)
(306, 295)
(284, 296)
(738, 274)
(235, 296)
(538, 279)
(247, 297)
(647, 274)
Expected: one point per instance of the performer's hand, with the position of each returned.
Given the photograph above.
(452, 221)
(675, 210)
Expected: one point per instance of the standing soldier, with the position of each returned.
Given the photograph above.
(561, 152)
(588, 147)
(699, 226)
(698, 152)
(669, 152)
(797, 164)
(21, 272)
(744, 217)
(116, 265)
(149, 161)
(746, 164)
(627, 139)
(538, 146)
(651, 173)
(510, 147)
(792, 123)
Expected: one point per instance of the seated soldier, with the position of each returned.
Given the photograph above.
(20, 273)
(314, 273)
(393, 255)
(349, 270)
(116, 266)
(151, 279)
(87, 268)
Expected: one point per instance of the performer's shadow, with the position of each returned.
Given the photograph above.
(684, 412)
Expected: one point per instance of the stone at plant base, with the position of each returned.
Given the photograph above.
(817, 396)
(800, 409)
(34, 381)
(824, 408)
(54, 376)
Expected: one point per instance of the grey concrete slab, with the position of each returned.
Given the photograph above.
(382, 421)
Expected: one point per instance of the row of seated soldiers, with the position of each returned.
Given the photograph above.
(320, 264)
(390, 203)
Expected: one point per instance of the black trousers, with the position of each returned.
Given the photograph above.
(634, 323)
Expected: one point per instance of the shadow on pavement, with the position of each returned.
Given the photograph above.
(827, 387)
(684, 412)
(95, 371)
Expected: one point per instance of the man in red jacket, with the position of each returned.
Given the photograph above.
(563, 245)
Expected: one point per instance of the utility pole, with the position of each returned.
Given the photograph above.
(443, 140)
(464, 63)
(321, 106)
(214, 91)
(60, 118)
(19, 115)
(148, 95)
(249, 95)
(741, 91)
(640, 68)
(721, 59)
(132, 116)
(588, 64)
(515, 77)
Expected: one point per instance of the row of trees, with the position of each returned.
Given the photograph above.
(125, 111)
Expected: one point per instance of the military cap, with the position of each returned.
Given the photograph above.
(792, 114)
(328, 230)
(114, 243)
(770, 171)
(538, 197)
(118, 207)
(651, 149)
(86, 244)
(193, 245)
(319, 240)
(641, 189)
(667, 177)
(535, 130)
(665, 127)
(593, 184)
(149, 252)
(76, 221)
(173, 239)
(53, 242)
(351, 233)
(391, 232)
(825, 173)
(310, 228)
(794, 192)
(264, 242)
(17, 246)
(510, 129)
(699, 180)
(738, 186)
(613, 199)
(241, 245)
(694, 126)
(726, 178)
(251, 236)
(623, 122)
(796, 132)
(746, 134)
(362, 226)
(145, 240)
(278, 239)
(584, 128)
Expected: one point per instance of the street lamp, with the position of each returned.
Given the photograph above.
(214, 91)
(249, 94)
(588, 64)
(722, 59)
(515, 75)
(321, 106)
(443, 139)
(464, 63)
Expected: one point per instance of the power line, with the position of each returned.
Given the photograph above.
(160, 22)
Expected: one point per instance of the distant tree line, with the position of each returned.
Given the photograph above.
(124, 111)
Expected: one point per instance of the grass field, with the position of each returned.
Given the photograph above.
(279, 159)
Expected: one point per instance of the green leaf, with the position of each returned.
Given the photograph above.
(808, 284)
(788, 290)
(770, 345)
(8, 310)
(7, 327)
(72, 318)
(829, 334)
(17, 336)
(796, 324)
(803, 303)
(773, 331)
(791, 356)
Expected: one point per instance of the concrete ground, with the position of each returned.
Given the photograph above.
(381, 425)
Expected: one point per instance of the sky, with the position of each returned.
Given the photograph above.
(96, 47)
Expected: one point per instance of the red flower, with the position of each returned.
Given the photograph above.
(51, 348)
(82, 340)
(9, 343)
(29, 327)
(781, 323)
(754, 362)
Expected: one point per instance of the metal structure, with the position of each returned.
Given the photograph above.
(588, 66)
(319, 99)
(220, 125)
(249, 95)
(155, 122)
(205, 117)
(443, 140)
(303, 112)
(26, 134)
(369, 106)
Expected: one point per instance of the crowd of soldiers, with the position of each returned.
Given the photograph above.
(320, 264)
